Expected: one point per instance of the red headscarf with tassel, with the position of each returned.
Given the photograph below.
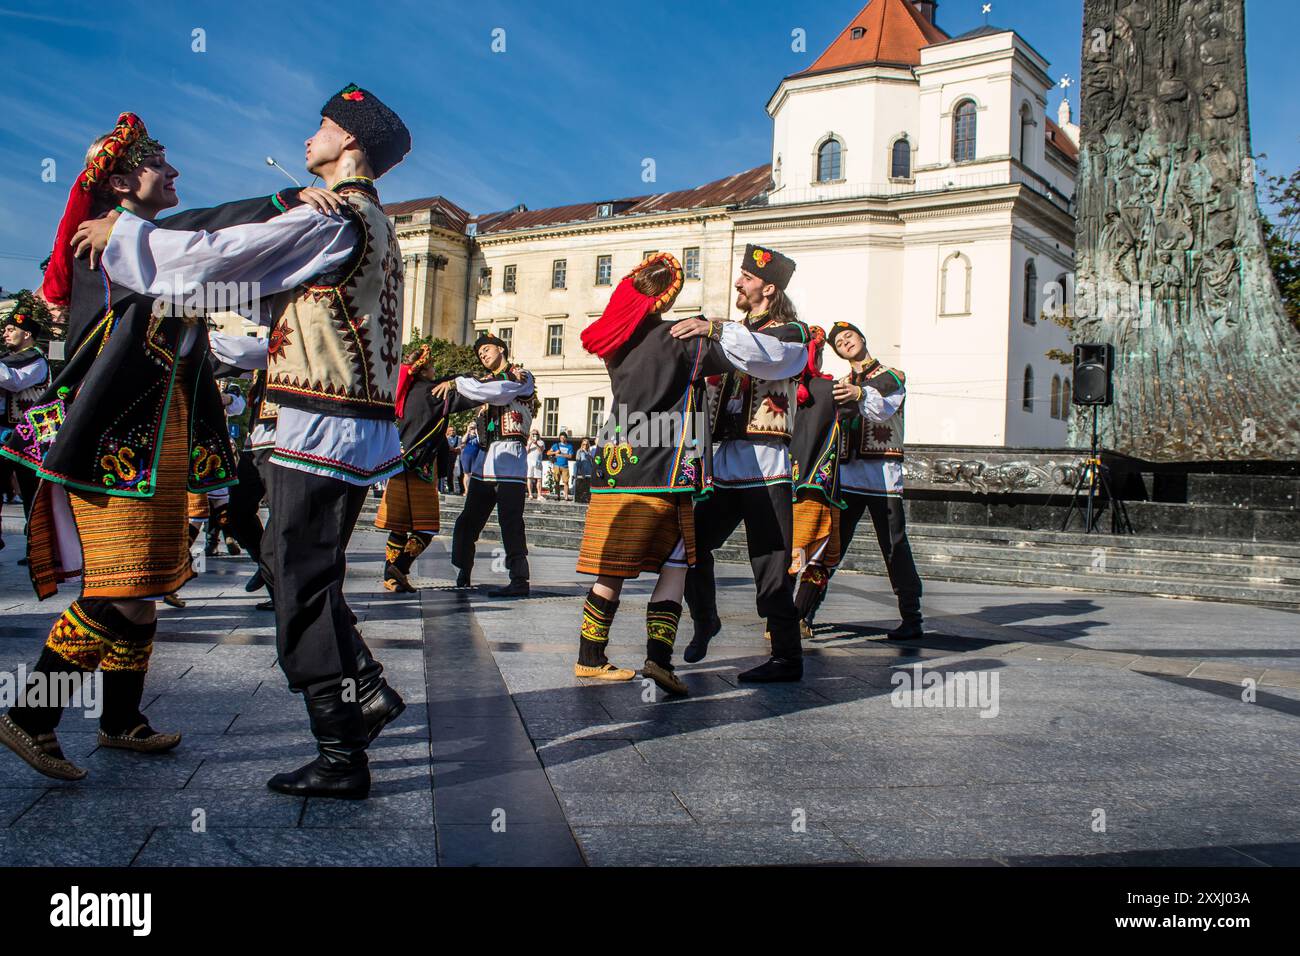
(816, 341)
(56, 288)
(406, 376)
(627, 307)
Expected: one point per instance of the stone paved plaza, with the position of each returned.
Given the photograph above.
(1114, 709)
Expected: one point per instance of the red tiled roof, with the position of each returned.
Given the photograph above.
(894, 32)
(728, 191)
(1061, 140)
(442, 211)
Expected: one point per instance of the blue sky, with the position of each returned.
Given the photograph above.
(583, 92)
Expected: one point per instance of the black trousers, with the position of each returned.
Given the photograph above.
(243, 523)
(27, 482)
(305, 547)
(768, 515)
(508, 498)
(891, 531)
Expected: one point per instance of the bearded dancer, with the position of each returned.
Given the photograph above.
(333, 355)
(409, 509)
(138, 422)
(753, 423)
(508, 399)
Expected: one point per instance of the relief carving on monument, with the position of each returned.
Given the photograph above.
(1172, 268)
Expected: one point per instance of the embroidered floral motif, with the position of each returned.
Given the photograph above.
(120, 466)
(617, 457)
(45, 421)
(203, 463)
(279, 341)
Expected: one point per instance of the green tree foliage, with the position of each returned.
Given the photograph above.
(1282, 235)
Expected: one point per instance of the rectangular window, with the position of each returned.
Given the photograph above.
(691, 262)
(508, 279)
(485, 281)
(550, 416)
(559, 273)
(647, 255)
(595, 415)
(555, 342)
(604, 269)
(507, 335)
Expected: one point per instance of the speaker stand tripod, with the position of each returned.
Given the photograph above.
(1097, 478)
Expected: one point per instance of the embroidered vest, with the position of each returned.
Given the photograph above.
(16, 403)
(873, 440)
(753, 408)
(334, 348)
(510, 422)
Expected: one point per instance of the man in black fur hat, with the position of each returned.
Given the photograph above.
(24, 377)
(507, 401)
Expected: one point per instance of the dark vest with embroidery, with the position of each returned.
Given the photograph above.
(815, 449)
(334, 345)
(106, 408)
(657, 439)
(16, 403)
(873, 440)
(756, 409)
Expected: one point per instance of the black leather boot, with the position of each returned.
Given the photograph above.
(340, 770)
(705, 631)
(380, 704)
(776, 670)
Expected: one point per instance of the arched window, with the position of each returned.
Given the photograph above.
(1026, 132)
(1056, 396)
(1065, 399)
(1031, 293)
(900, 159)
(1027, 398)
(829, 163)
(954, 285)
(963, 132)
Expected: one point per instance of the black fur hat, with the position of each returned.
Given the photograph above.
(379, 130)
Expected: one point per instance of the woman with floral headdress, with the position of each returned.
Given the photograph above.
(139, 421)
(641, 515)
(409, 511)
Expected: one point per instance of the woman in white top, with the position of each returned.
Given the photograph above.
(536, 449)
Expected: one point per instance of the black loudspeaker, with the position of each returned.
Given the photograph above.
(1093, 365)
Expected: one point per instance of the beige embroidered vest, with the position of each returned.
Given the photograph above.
(335, 345)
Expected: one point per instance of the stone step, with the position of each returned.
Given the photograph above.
(558, 516)
(1039, 564)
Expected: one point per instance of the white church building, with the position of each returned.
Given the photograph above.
(916, 180)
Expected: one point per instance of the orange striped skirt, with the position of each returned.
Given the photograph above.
(196, 506)
(409, 504)
(626, 534)
(816, 531)
(139, 547)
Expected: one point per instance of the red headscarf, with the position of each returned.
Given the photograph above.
(56, 288)
(627, 307)
(406, 376)
(816, 340)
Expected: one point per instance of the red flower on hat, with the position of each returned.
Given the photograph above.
(354, 95)
(762, 257)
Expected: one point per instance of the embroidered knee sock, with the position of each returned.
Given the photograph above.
(75, 645)
(414, 547)
(393, 546)
(597, 616)
(125, 663)
(661, 619)
(812, 588)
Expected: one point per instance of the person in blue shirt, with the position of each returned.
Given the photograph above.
(467, 454)
(561, 452)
